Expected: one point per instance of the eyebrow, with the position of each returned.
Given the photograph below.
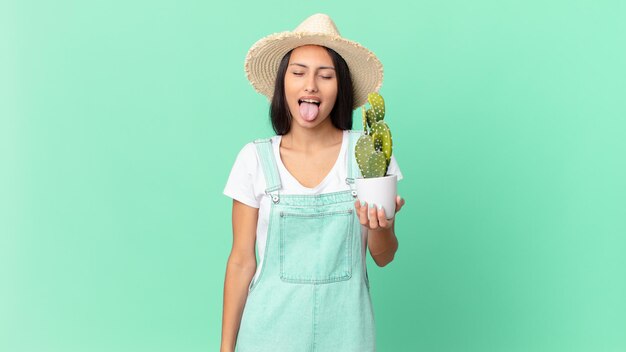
(305, 66)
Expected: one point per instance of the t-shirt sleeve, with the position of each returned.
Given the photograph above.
(241, 182)
(393, 168)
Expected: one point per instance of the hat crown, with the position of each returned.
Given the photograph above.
(318, 23)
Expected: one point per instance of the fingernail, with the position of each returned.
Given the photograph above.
(380, 207)
(362, 203)
(372, 205)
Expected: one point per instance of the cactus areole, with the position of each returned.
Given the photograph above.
(374, 148)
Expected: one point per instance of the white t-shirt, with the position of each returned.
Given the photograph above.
(246, 184)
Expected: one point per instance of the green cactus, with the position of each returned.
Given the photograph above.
(370, 117)
(382, 139)
(378, 105)
(373, 149)
(377, 165)
(363, 149)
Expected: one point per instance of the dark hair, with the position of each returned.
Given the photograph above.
(340, 116)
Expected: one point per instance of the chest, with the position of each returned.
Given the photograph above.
(310, 169)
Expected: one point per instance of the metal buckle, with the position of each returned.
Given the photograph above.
(275, 197)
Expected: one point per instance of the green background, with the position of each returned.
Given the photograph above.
(120, 121)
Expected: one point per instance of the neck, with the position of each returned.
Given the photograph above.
(307, 139)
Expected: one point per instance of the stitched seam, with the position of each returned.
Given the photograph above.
(314, 314)
(268, 164)
(349, 247)
(317, 215)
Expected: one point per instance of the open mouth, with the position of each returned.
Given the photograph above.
(309, 108)
(300, 101)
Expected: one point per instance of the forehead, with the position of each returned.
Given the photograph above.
(311, 55)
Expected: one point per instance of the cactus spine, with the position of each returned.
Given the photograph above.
(373, 149)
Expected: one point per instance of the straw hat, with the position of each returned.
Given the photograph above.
(264, 57)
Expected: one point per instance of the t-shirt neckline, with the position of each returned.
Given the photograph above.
(325, 180)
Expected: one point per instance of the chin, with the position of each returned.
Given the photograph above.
(309, 124)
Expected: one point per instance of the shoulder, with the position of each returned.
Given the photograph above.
(243, 179)
(247, 154)
(250, 150)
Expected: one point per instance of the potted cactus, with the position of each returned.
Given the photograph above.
(373, 153)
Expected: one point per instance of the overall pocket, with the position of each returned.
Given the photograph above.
(315, 248)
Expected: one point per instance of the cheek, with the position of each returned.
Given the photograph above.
(287, 86)
(290, 84)
(290, 95)
(331, 96)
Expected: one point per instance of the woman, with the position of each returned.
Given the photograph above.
(293, 199)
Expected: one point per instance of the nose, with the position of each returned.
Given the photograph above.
(310, 85)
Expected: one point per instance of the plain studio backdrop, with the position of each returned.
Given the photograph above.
(120, 121)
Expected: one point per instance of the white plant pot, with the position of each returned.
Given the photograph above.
(379, 191)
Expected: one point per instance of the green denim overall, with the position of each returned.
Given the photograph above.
(312, 293)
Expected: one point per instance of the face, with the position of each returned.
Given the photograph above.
(310, 86)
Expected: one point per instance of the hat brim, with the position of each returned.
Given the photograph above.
(263, 59)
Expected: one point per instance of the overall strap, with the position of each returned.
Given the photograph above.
(353, 167)
(268, 162)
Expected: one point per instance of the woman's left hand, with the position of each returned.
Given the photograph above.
(377, 220)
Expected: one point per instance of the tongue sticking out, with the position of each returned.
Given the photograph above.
(309, 111)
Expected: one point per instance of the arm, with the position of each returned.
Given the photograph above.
(239, 272)
(383, 244)
(381, 236)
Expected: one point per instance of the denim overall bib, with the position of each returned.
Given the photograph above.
(312, 293)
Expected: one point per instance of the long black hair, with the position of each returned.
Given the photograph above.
(341, 114)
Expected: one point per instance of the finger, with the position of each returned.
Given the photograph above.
(373, 218)
(382, 218)
(357, 206)
(399, 203)
(363, 214)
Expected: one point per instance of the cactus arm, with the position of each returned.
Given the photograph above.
(378, 105)
(370, 117)
(382, 139)
(363, 149)
(376, 165)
